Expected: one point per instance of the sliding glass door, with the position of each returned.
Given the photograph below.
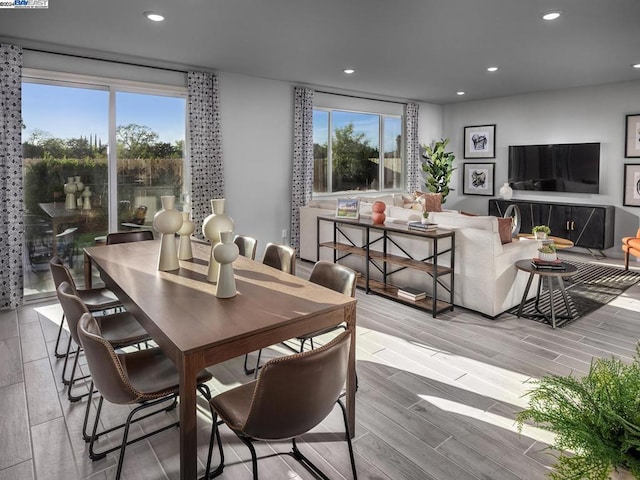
(97, 158)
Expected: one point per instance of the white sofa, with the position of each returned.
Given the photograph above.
(485, 276)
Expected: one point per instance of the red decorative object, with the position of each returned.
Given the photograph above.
(378, 216)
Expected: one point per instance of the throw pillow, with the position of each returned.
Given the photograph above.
(432, 201)
(504, 228)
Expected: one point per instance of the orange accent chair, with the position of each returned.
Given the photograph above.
(631, 246)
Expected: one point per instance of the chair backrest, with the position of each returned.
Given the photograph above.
(72, 306)
(107, 371)
(295, 393)
(334, 276)
(246, 245)
(281, 257)
(61, 273)
(132, 236)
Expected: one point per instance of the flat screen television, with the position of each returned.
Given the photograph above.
(565, 167)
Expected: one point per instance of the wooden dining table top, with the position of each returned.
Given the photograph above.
(196, 329)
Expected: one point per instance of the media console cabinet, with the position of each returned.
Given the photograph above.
(587, 226)
(379, 241)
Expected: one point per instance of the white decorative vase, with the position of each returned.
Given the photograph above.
(167, 222)
(86, 196)
(225, 252)
(506, 192)
(184, 244)
(70, 188)
(215, 223)
(424, 220)
(540, 235)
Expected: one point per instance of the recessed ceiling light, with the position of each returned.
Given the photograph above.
(154, 16)
(553, 15)
(460, 93)
(349, 71)
(492, 69)
(636, 65)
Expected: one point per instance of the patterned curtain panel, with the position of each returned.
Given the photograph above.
(205, 140)
(302, 182)
(414, 165)
(11, 223)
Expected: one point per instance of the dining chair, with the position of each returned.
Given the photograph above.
(130, 236)
(335, 277)
(96, 299)
(145, 377)
(120, 329)
(292, 395)
(247, 246)
(283, 258)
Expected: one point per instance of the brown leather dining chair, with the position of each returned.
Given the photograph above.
(247, 246)
(145, 377)
(96, 299)
(335, 277)
(283, 258)
(130, 236)
(292, 395)
(120, 329)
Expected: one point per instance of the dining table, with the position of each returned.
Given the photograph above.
(196, 329)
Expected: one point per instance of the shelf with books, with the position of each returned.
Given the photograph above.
(374, 243)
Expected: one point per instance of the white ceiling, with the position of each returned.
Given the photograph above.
(422, 50)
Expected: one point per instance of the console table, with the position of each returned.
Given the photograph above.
(382, 237)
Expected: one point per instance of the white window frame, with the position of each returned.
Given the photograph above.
(331, 103)
(113, 86)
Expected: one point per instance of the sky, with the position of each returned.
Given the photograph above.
(362, 122)
(67, 112)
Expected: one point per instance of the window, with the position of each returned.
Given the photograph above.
(356, 151)
(120, 145)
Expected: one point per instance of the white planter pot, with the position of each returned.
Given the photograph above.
(547, 257)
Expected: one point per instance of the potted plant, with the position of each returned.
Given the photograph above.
(596, 418)
(425, 217)
(541, 232)
(438, 166)
(548, 253)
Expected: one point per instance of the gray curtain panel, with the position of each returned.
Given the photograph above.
(205, 141)
(302, 181)
(414, 165)
(11, 223)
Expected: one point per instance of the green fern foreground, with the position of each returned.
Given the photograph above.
(596, 419)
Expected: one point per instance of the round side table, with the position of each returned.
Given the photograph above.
(548, 274)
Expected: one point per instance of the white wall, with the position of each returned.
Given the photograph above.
(589, 114)
(257, 148)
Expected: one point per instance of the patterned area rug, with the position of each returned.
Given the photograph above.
(589, 289)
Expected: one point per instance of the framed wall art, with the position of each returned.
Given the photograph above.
(478, 179)
(631, 185)
(632, 136)
(480, 141)
(348, 208)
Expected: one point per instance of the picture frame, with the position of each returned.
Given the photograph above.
(631, 188)
(632, 136)
(480, 141)
(478, 179)
(348, 208)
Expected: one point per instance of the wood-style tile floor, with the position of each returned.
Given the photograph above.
(437, 398)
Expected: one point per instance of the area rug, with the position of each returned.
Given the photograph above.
(589, 289)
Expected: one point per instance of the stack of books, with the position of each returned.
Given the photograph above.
(424, 227)
(411, 293)
(547, 265)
